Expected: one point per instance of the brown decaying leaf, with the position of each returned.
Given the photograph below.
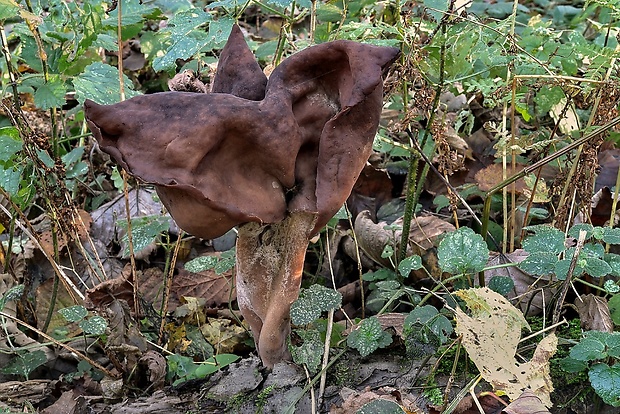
(526, 403)
(225, 336)
(490, 176)
(353, 400)
(214, 288)
(70, 402)
(43, 295)
(491, 335)
(530, 294)
(156, 366)
(110, 290)
(594, 313)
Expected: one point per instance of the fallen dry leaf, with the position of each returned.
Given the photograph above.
(527, 403)
(214, 288)
(594, 313)
(492, 175)
(224, 336)
(491, 335)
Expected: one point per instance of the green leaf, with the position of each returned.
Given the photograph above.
(382, 274)
(539, 263)
(574, 231)
(562, 267)
(201, 264)
(74, 313)
(547, 98)
(24, 364)
(462, 251)
(597, 267)
(310, 352)
(606, 382)
(611, 236)
(380, 406)
(439, 5)
(424, 330)
(50, 94)
(588, 349)
(368, 337)
(13, 293)
(611, 287)
(8, 9)
(327, 12)
(546, 239)
(613, 260)
(94, 326)
(99, 82)
(144, 231)
(184, 48)
(10, 143)
(571, 365)
(614, 308)
(501, 284)
(409, 264)
(312, 302)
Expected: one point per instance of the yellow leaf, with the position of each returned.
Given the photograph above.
(491, 335)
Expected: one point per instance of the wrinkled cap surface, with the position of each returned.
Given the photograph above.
(253, 149)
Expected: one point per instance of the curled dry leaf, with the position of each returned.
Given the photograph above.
(156, 366)
(526, 403)
(492, 175)
(491, 335)
(217, 290)
(594, 313)
(279, 159)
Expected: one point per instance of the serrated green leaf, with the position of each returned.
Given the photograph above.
(501, 284)
(312, 302)
(184, 48)
(381, 274)
(597, 267)
(588, 349)
(50, 95)
(539, 263)
(546, 239)
(10, 143)
(462, 251)
(74, 313)
(10, 180)
(94, 326)
(380, 406)
(438, 7)
(571, 365)
(613, 260)
(574, 231)
(606, 382)
(614, 308)
(99, 82)
(219, 31)
(611, 235)
(368, 337)
(24, 364)
(409, 264)
(144, 231)
(611, 286)
(327, 12)
(13, 293)
(310, 352)
(201, 264)
(429, 316)
(563, 266)
(8, 9)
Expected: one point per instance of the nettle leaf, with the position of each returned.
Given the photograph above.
(200, 264)
(24, 364)
(545, 239)
(312, 302)
(611, 287)
(409, 264)
(574, 231)
(13, 293)
(99, 82)
(539, 263)
(606, 382)
(368, 337)
(563, 266)
(310, 352)
(144, 231)
(94, 326)
(611, 236)
(614, 308)
(462, 251)
(597, 267)
(501, 284)
(572, 365)
(74, 313)
(590, 348)
(380, 406)
(613, 260)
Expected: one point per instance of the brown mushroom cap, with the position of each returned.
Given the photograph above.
(250, 153)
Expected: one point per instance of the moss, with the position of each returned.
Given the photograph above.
(261, 398)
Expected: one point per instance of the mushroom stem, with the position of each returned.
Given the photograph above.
(270, 261)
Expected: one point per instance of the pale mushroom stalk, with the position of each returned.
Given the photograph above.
(277, 158)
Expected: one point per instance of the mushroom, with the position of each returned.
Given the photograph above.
(276, 157)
